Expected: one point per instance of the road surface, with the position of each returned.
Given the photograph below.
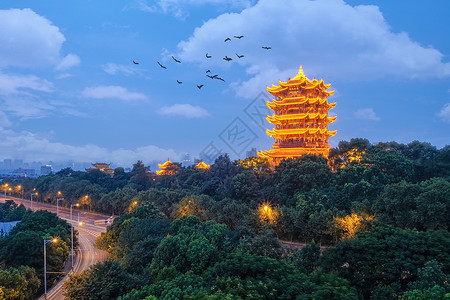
(86, 254)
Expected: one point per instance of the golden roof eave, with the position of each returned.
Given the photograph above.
(202, 166)
(278, 118)
(299, 131)
(299, 80)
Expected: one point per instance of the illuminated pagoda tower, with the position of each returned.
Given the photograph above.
(300, 118)
(202, 166)
(104, 167)
(167, 168)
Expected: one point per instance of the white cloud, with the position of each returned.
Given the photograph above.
(180, 8)
(444, 113)
(366, 114)
(113, 69)
(184, 110)
(112, 92)
(67, 62)
(28, 39)
(4, 121)
(33, 147)
(14, 84)
(328, 37)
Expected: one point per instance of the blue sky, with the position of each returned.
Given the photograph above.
(69, 89)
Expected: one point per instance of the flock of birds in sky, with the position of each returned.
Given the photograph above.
(226, 58)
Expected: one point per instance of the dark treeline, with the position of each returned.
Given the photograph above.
(381, 210)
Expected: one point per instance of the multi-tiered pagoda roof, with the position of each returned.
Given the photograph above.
(300, 118)
(167, 168)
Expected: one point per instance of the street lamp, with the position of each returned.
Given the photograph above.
(6, 187)
(31, 202)
(71, 249)
(71, 232)
(54, 240)
(19, 189)
(57, 205)
(80, 213)
(72, 205)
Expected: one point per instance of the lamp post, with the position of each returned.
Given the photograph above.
(80, 213)
(71, 249)
(71, 231)
(31, 201)
(72, 205)
(6, 187)
(45, 264)
(57, 205)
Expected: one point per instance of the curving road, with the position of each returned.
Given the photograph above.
(86, 255)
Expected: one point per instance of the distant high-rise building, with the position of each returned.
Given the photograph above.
(7, 164)
(17, 163)
(187, 160)
(252, 152)
(24, 172)
(46, 170)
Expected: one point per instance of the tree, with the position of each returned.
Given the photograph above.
(301, 175)
(107, 280)
(139, 175)
(19, 283)
(193, 245)
(386, 258)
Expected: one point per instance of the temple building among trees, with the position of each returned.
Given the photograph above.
(300, 117)
(168, 168)
(104, 167)
(202, 166)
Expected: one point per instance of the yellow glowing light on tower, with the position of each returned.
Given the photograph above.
(300, 118)
(59, 193)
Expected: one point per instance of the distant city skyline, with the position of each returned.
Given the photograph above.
(88, 86)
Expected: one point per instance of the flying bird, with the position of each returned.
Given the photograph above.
(200, 86)
(176, 59)
(212, 77)
(179, 82)
(136, 63)
(239, 36)
(161, 65)
(208, 56)
(267, 48)
(227, 39)
(218, 78)
(239, 56)
(227, 58)
(208, 71)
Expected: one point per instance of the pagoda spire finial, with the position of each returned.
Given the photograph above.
(300, 71)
